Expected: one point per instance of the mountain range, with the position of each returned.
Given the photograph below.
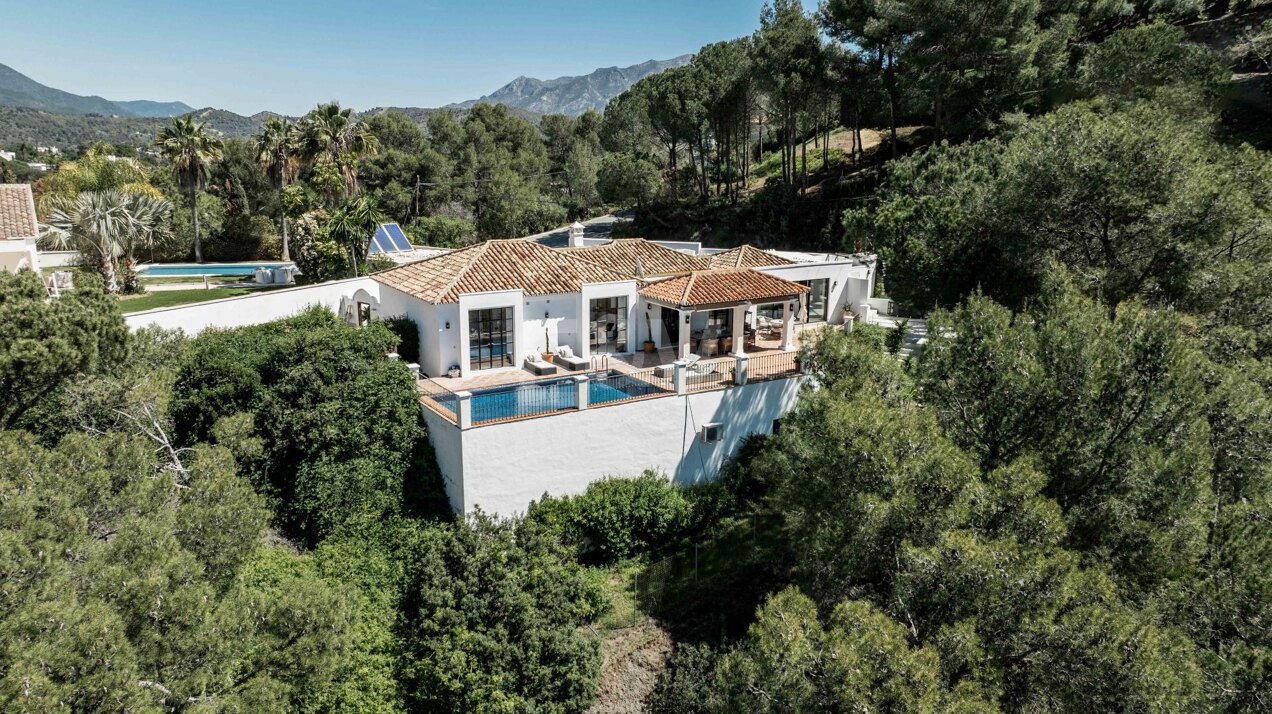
(33, 113)
(573, 95)
(18, 90)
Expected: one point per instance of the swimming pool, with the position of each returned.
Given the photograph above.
(550, 395)
(157, 270)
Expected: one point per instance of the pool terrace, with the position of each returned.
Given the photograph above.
(514, 394)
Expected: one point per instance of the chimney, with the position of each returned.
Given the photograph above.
(576, 235)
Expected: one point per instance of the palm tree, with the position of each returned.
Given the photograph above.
(108, 225)
(277, 145)
(352, 226)
(191, 150)
(329, 134)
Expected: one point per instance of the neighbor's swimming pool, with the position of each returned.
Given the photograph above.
(550, 395)
(158, 270)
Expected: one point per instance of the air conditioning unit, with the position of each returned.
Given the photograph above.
(712, 433)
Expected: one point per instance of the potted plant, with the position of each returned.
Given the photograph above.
(650, 347)
(547, 346)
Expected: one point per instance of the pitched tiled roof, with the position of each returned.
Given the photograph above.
(621, 254)
(17, 211)
(496, 265)
(713, 287)
(744, 257)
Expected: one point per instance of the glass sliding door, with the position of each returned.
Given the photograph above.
(607, 324)
(818, 299)
(490, 338)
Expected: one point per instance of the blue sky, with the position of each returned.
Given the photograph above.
(287, 55)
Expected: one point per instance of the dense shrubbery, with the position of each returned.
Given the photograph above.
(142, 583)
(319, 420)
(408, 334)
(619, 517)
(1046, 515)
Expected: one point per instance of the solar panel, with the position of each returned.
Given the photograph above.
(396, 236)
(388, 238)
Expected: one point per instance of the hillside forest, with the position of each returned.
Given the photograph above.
(1062, 503)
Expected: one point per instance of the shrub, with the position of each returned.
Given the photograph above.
(409, 333)
(896, 336)
(442, 232)
(873, 335)
(619, 517)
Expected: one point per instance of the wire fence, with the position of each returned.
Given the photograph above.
(703, 565)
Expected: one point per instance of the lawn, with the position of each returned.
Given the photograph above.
(171, 298)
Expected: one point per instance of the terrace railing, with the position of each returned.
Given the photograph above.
(711, 374)
(531, 399)
(437, 398)
(613, 387)
(599, 388)
(774, 365)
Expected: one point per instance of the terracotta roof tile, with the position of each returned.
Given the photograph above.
(714, 287)
(17, 211)
(622, 254)
(493, 266)
(744, 257)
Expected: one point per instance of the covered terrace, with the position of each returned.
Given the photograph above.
(725, 297)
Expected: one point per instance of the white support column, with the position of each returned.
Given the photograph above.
(681, 377)
(580, 384)
(584, 348)
(739, 330)
(788, 327)
(464, 409)
(740, 369)
(685, 327)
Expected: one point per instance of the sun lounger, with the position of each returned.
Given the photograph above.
(566, 358)
(535, 364)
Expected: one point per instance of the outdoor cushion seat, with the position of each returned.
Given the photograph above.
(535, 364)
(566, 358)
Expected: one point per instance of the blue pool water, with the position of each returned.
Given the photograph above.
(196, 269)
(550, 395)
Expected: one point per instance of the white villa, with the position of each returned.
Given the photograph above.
(487, 308)
(542, 369)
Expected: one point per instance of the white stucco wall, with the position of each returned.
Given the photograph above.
(251, 309)
(847, 281)
(448, 448)
(562, 323)
(502, 467)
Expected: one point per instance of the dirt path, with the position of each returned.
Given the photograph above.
(630, 662)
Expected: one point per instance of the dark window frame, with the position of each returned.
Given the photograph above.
(491, 338)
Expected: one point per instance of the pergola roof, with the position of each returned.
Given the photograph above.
(493, 266)
(722, 287)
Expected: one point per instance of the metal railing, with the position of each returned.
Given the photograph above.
(711, 374)
(437, 399)
(521, 401)
(614, 387)
(774, 365)
(524, 400)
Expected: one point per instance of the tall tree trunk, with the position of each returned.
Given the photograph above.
(194, 218)
(892, 100)
(286, 251)
(803, 159)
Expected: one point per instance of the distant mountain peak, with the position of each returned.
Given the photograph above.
(572, 95)
(19, 90)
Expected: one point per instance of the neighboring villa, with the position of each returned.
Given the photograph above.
(543, 369)
(19, 229)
